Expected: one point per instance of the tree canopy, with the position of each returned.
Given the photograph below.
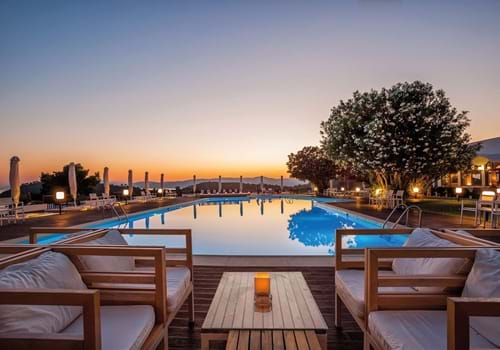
(401, 135)
(59, 180)
(311, 164)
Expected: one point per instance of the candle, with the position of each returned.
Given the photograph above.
(262, 284)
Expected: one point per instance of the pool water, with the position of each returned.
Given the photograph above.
(256, 226)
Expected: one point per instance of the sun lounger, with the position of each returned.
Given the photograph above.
(46, 302)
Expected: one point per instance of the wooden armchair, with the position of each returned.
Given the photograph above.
(350, 278)
(176, 259)
(13, 251)
(421, 319)
(70, 233)
(93, 328)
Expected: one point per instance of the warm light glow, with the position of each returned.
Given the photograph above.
(342, 189)
(262, 284)
(59, 195)
(498, 190)
(358, 189)
(488, 194)
(377, 191)
(458, 190)
(160, 190)
(416, 189)
(481, 167)
(125, 192)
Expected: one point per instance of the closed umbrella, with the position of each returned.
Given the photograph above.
(241, 184)
(194, 184)
(146, 182)
(162, 177)
(262, 184)
(15, 185)
(72, 181)
(130, 183)
(106, 180)
(220, 184)
(281, 184)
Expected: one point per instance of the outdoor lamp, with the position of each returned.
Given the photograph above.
(416, 189)
(125, 192)
(262, 283)
(160, 190)
(498, 190)
(60, 198)
(342, 189)
(377, 191)
(458, 190)
(358, 189)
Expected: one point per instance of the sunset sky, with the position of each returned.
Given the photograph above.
(221, 87)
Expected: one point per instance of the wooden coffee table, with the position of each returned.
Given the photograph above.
(232, 308)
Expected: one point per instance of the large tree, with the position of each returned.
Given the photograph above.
(59, 180)
(409, 133)
(311, 164)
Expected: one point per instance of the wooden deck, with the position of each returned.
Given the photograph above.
(319, 279)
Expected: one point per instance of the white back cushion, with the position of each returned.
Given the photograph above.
(483, 281)
(108, 263)
(49, 270)
(421, 237)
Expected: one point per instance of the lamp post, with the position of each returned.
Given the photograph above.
(59, 198)
(458, 192)
(125, 195)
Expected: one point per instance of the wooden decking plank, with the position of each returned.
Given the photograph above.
(297, 289)
(249, 302)
(240, 304)
(298, 322)
(319, 321)
(277, 317)
(208, 323)
(221, 309)
(285, 307)
(231, 302)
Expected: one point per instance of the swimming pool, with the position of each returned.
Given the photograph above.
(255, 226)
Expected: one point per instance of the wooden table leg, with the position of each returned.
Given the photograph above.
(322, 340)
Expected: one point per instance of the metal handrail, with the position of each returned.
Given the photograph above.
(119, 205)
(403, 206)
(407, 212)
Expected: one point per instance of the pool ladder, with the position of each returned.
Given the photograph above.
(406, 213)
(115, 211)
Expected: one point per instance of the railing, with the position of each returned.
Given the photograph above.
(115, 211)
(406, 211)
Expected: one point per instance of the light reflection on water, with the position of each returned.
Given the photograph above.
(258, 227)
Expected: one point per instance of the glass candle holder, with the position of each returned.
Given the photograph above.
(262, 282)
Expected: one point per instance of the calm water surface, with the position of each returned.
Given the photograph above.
(261, 226)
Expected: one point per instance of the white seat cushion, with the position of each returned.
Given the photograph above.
(350, 285)
(49, 270)
(416, 330)
(122, 327)
(429, 266)
(107, 263)
(178, 280)
(484, 282)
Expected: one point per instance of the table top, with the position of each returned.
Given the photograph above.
(293, 305)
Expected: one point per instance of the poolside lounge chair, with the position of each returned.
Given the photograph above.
(407, 321)
(179, 272)
(350, 274)
(40, 292)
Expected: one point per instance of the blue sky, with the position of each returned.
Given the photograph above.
(227, 87)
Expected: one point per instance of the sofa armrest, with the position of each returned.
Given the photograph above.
(459, 312)
(88, 299)
(376, 300)
(356, 254)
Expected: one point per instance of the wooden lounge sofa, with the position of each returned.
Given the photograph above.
(46, 302)
(179, 262)
(350, 265)
(436, 320)
(11, 251)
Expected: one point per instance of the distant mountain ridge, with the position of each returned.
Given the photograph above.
(289, 182)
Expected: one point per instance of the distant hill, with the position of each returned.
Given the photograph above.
(288, 182)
